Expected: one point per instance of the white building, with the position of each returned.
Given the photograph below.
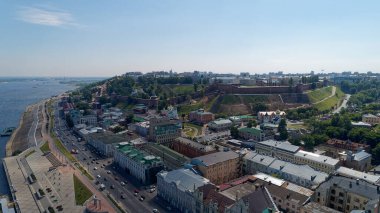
(104, 142)
(176, 187)
(281, 150)
(138, 163)
(319, 162)
(220, 125)
(89, 120)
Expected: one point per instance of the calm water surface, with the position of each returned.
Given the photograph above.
(15, 95)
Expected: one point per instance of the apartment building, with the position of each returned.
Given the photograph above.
(191, 148)
(371, 119)
(270, 116)
(319, 162)
(219, 167)
(346, 194)
(104, 141)
(138, 163)
(220, 125)
(333, 147)
(177, 187)
(277, 149)
(164, 130)
(255, 134)
(200, 116)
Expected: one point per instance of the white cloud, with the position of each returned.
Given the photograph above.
(45, 16)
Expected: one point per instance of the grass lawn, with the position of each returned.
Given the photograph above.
(192, 129)
(186, 109)
(331, 102)
(183, 89)
(296, 126)
(82, 193)
(85, 172)
(231, 99)
(319, 94)
(45, 148)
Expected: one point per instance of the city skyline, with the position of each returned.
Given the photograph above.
(110, 38)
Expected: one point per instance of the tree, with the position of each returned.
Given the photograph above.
(195, 87)
(282, 129)
(234, 132)
(291, 82)
(129, 118)
(249, 124)
(308, 142)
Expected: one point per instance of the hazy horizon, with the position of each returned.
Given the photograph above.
(104, 39)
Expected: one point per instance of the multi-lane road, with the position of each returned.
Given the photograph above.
(105, 172)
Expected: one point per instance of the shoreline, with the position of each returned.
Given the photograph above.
(16, 142)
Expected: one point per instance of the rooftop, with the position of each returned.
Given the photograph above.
(137, 155)
(318, 208)
(197, 145)
(107, 137)
(221, 121)
(214, 158)
(259, 201)
(286, 146)
(258, 158)
(302, 171)
(359, 187)
(369, 116)
(361, 155)
(184, 179)
(317, 158)
(253, 131)
(347, 172)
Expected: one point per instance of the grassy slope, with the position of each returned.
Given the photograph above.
(82, 193)
(319, 94)
(45, 148)
(329, 103)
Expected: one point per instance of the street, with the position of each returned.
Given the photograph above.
(90, 159)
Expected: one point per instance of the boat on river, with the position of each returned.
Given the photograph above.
(7, 131)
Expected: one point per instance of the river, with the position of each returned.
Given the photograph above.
(15, 95)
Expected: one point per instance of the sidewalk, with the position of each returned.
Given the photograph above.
(105, 205)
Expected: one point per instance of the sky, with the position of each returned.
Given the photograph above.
(107, 38)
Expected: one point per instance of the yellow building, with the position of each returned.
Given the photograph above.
(219, 167)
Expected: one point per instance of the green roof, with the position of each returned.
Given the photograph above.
(253, 131)
(138, 119)
(137, 155)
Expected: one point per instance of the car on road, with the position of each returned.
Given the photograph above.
(155, 210)
(112, 186)
(108, 172)
(95, 168)
(98, 176)
(122, 196)
(122, 183)
(135, 194)
(152, 190)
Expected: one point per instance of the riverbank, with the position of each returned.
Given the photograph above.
(20, 139)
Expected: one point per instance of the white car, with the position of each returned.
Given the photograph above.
(95, 168)
(122, 183)
(98, 176)
(108, 172)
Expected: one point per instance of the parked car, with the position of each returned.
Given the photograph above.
(95, 168)
(122, 183)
